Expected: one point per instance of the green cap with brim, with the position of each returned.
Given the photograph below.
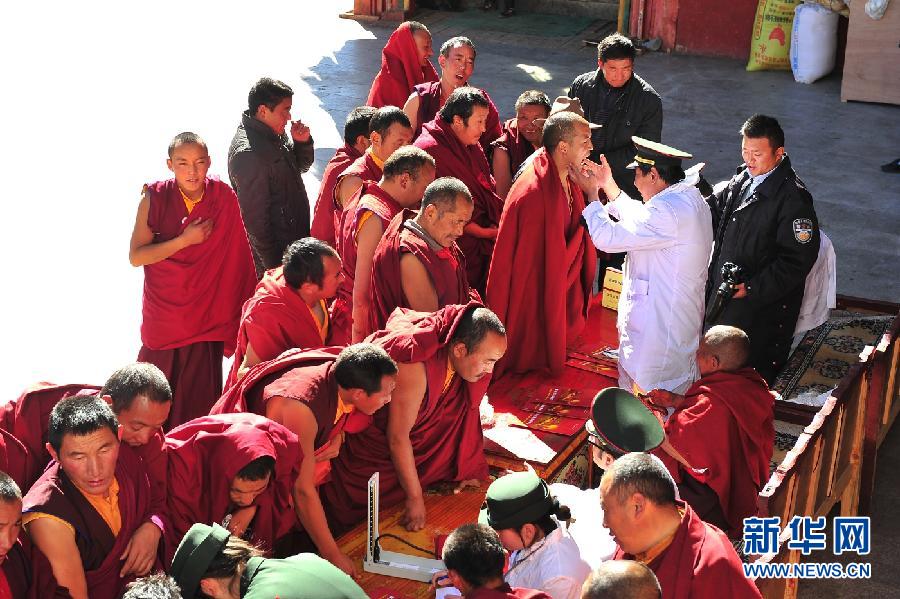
(652, 153)
(196, 552)
(623, 423)
(515, 500)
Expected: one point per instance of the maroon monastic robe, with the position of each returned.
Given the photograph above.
(700, 563)
(100, 550)
(15, 572)
(401, 70)
(468, 164)
(724, 429)
(193, 298)
(504, 591)
(204, 457)
(514, 143)
(302, 375)
(542, 270)
(446, 437)
(430, 103)
(369, 198)
(15, 459)
(276, 319)
(326, 214)
(446, 268)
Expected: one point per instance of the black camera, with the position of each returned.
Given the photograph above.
(732, 276)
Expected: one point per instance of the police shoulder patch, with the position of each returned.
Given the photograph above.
(803, 230)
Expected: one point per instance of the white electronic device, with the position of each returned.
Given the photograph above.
(390, 563)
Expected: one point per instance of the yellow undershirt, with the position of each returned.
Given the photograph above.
(654, 552)
(450, 374)
(188, 202)
(378, 161)
(107, 507)
(322, 326)
(342, 409)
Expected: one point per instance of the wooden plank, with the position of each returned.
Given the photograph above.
(872, 59)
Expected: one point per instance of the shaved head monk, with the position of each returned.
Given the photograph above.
(389, 130)
(452, 138)
(236, 470)
(621, 579)
(521, 137)
(288, 309)
(417, 263)
(720, 438)
(431, 431)
(691, 559)
(356, 141)
(15, 569)
(407, 173)
(457, 61)
(319, 395)
(542, 270)
(89, 512)
(404, 64)
(198, 272)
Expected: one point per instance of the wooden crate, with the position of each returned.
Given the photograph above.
(872, 59)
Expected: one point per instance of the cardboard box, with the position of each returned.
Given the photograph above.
(612, 287)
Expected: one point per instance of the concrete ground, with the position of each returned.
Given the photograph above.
(93, 94)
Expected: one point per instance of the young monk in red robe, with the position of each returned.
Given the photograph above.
(15, 459)
(417, 263)
(407, 173)
(452, 138)
(288, 309)
(431, 431)
(356, 141)
(691, 559)
(319, 395)
(457, 61)
(521, 137)
(404, 64)
(15, 569)
(198, 271)
(89, 513)
(543, 267)
(720, 438)
(236, 470)
(389, 129)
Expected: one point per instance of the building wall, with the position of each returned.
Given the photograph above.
(715, 27)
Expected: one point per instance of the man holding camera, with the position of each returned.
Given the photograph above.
(765, 223)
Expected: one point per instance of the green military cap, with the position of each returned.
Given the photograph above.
(620, 423)
(515, 500)
(652, 153)
(200, 545)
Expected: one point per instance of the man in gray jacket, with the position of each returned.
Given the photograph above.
(265, 166)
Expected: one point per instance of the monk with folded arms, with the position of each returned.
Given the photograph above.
(89, 512)
(326, 215)
(417, 263)
(236, 470)
(389, 130)
(288, 309)
(15, 569)
(319, 395)
(404, 64)
(198, 272)
(543, 267)
(407, 173)
(691, 559)
(431, 431)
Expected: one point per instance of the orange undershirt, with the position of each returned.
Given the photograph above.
(107, 507)
(322, 326)
(654, 552)
(450, 374)
(188, 202)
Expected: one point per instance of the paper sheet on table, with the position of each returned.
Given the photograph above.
(521, 442)
(447, 593)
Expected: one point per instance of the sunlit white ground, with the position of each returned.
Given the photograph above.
(92, 93)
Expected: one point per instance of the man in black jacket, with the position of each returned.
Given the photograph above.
(764, 222)
(625, 104)
(265, 166)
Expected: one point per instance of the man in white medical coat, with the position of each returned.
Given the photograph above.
(668, 238)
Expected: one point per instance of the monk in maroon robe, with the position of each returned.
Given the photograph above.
(389, 130)
(236, 470)
(15, 459)
(407, 173)
(521, 137)
(721, 435)
(691, 559)
(417, 263)
(319, 395)
(356, 141)
(404, 64)
(89, 513)
(288, 309)
(457, 61)
(15, 569)
(198, 271)
(452, 138)
(431, 431)
(543, 267)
